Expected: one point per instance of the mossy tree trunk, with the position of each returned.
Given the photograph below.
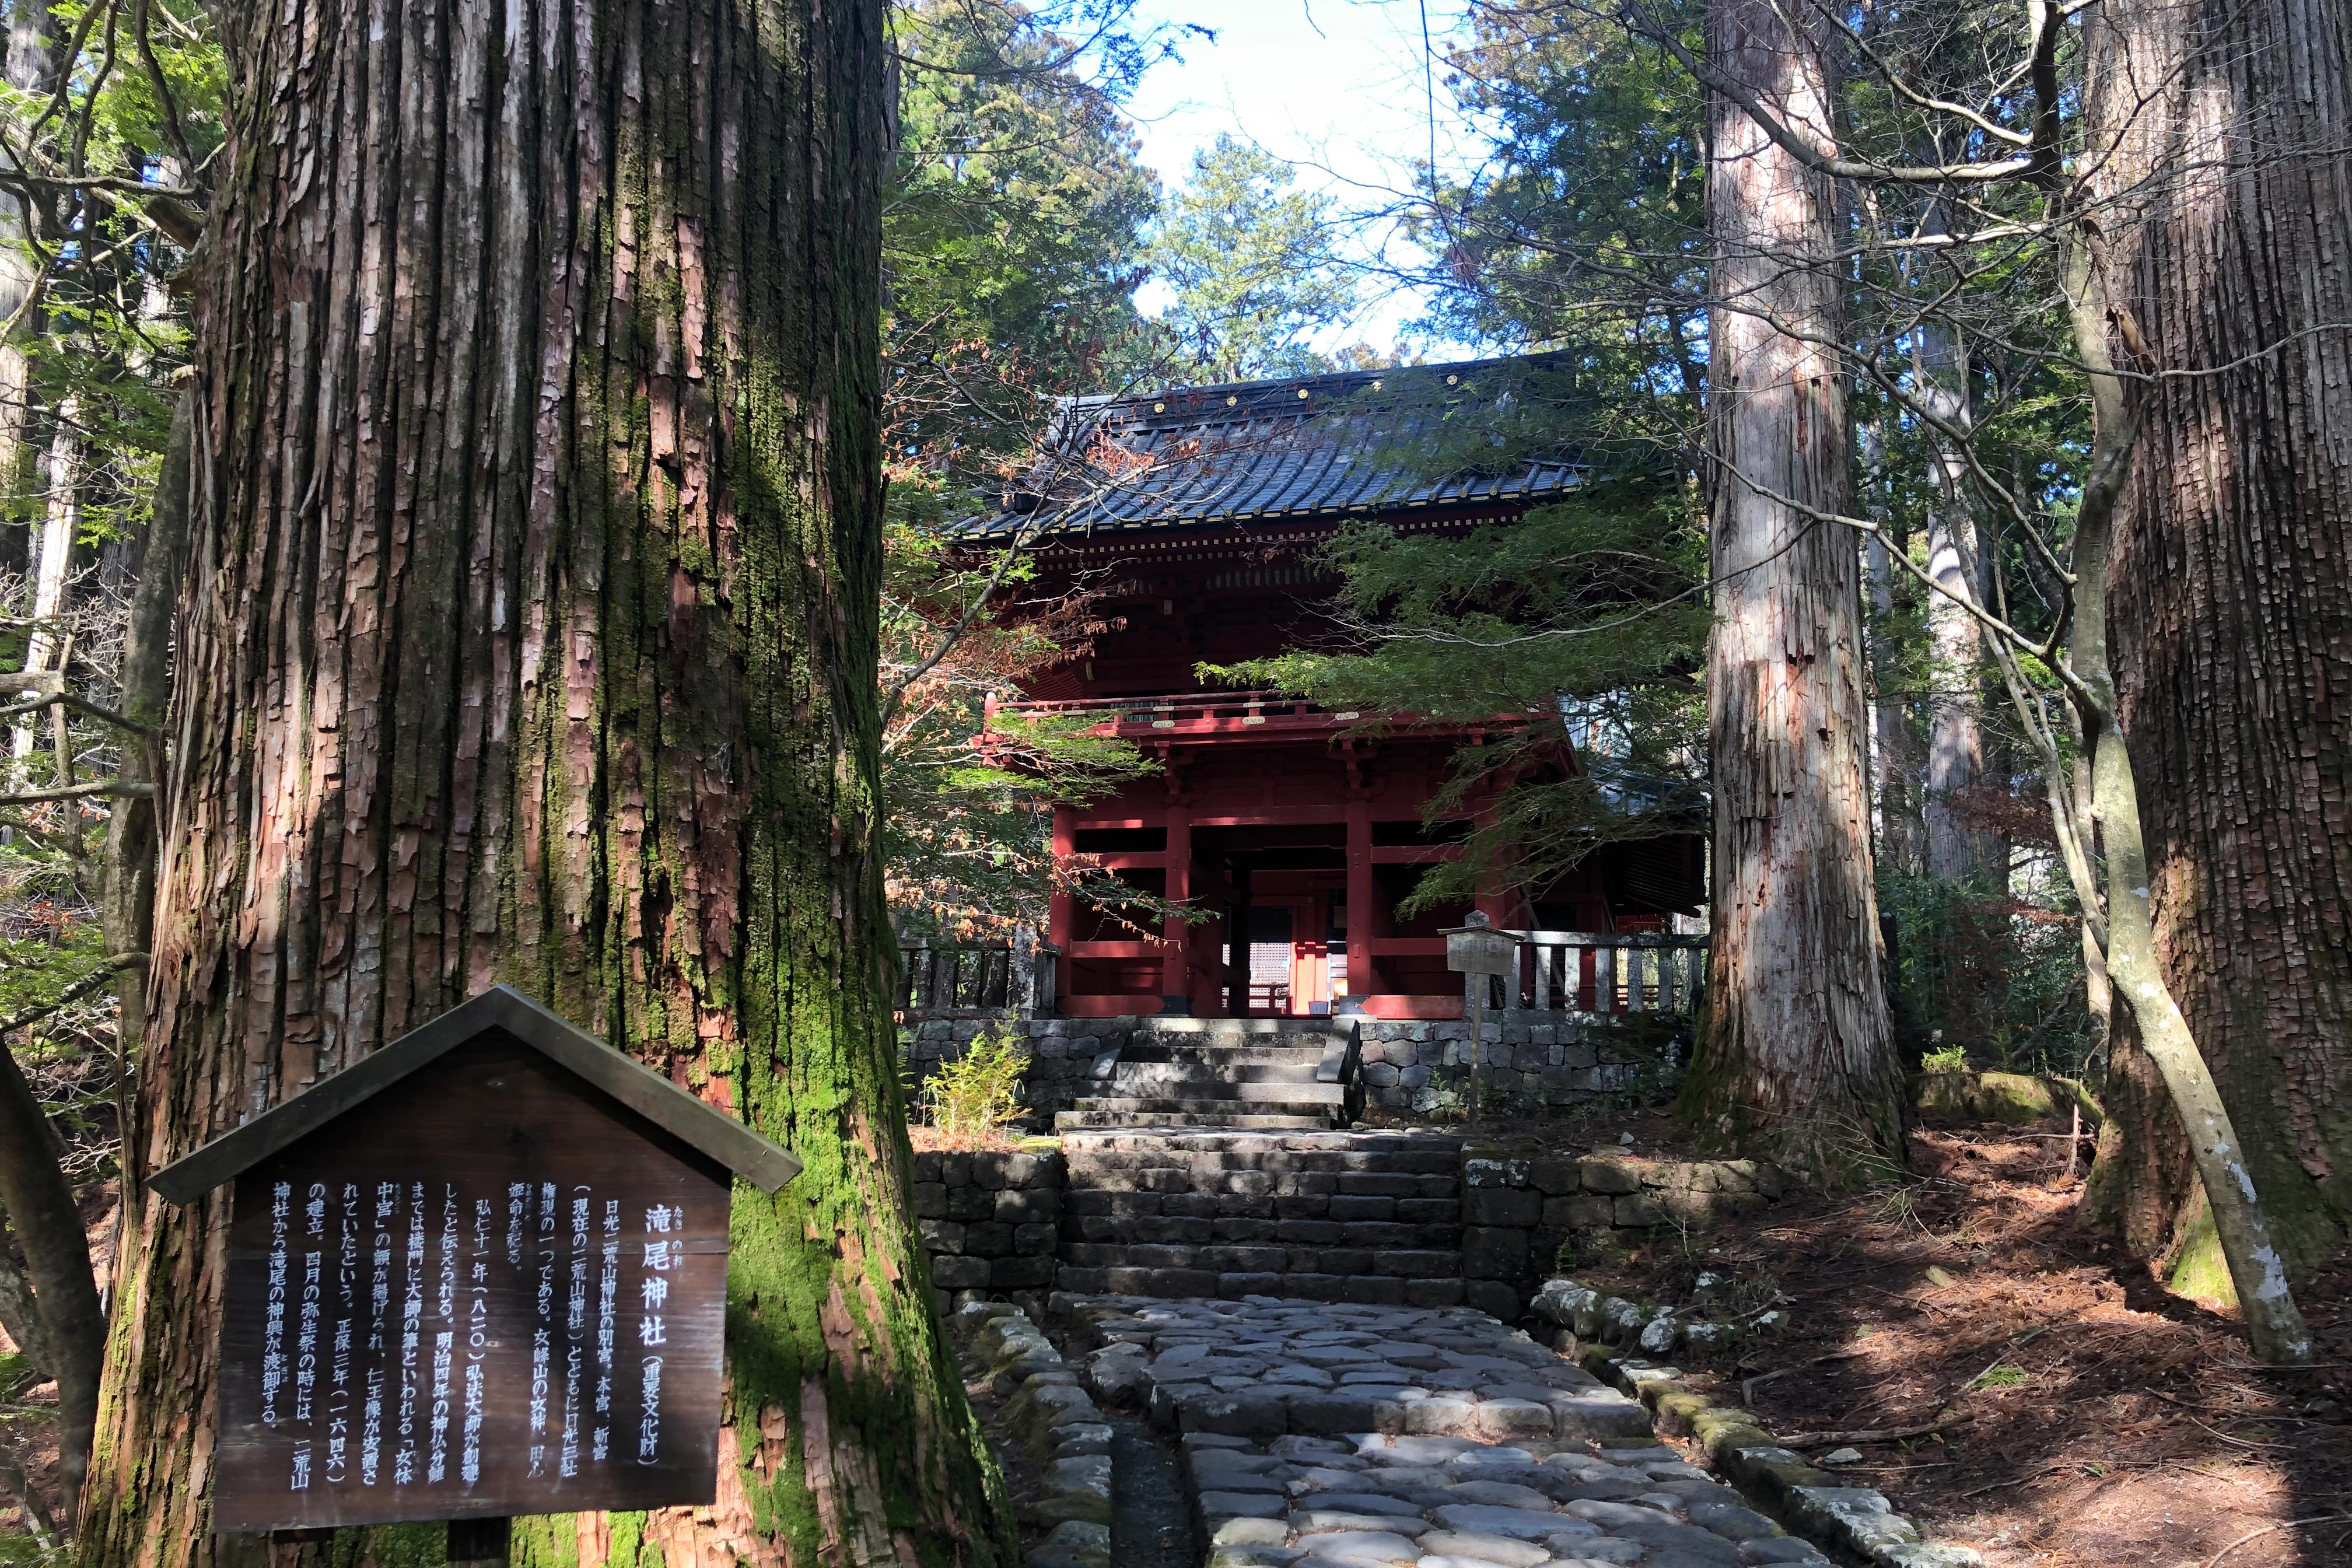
(529, 636)
(1798, 1054)
(2232, 628)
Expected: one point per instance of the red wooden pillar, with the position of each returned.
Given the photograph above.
(1361, 981)
(1175, 974)
(1500, 907)
(1062, 905)
(1497, 905)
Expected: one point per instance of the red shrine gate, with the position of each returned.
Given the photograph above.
(1293, 831)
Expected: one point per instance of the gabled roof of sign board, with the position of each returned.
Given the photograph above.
(1360, 444)
(756, 1160)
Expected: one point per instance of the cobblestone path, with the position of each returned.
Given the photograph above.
(1334, 1435)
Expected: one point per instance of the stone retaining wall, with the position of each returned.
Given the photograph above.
(1525, 1059)
(1354, 1224)
(1517, 1212)
(1528, 1060)
(1047, 1413)
(1062, 1051)
(992, 1221)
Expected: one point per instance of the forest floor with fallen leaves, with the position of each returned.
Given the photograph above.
(2101, 1420)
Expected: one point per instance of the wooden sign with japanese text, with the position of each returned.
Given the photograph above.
(490, 1289)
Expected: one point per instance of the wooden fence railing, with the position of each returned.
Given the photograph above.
(1590, 972)
(979, 977)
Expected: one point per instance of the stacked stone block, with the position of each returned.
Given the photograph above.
(1525, 1058)
(1517, 1212)
(1049, 1413)
(1376, 1218)
(1363, 1218)
(1062, 1051)
(1533, 1059)
(990, 1221)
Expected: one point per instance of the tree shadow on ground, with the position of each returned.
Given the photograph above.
(2103, 1420)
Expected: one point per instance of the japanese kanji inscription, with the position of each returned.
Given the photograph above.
(488, 1287)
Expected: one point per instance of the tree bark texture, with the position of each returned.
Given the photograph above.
(1894, 763)
(39, 1204)
(2232, 622)
(1798, 1054)
(30, 68)
(53, 552)
(1955, 853)
(529, 636)
(127, 888)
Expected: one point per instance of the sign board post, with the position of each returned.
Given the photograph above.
(481, 1273)
(1478, 950)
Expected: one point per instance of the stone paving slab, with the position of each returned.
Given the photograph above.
(1368, 1436)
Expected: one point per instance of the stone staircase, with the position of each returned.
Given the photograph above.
(1258, 1074)
(1370, 1218)
(1208, 1161)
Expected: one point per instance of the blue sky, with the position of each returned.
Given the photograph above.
(1334, 86)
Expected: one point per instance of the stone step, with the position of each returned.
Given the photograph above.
(1303, 1089)
(1186, 1219)
(1243, 1028)
(1368, 1290)
(1069, 1121)
(1242, 1048)
(1328, 1140)
(1252, 1064)
(1292, 1188)
(1091, 1168)
(1248, 1257)
(1177, 1095)
(1147, 1106)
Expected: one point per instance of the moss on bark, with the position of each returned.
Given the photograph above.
(531, 638)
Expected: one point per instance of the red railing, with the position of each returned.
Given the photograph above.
(1190, 712)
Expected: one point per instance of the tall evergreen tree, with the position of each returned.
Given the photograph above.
(1798, 1050)
(2232, 245)
(1012, 239)
(531, 638)
(1251, 266)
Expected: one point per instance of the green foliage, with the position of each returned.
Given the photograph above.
(51, 943)
(1013, 239)
(973, 1098)
(1946, 1058)
(1586, 227)
(1584, 620)
(968, 833)
(1251, 266)
(1990, 975)
(140, 109)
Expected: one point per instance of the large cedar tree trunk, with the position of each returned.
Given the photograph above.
(1894, 766)
(2232, 622)
(1797, 1053)
(529, 636)
(1955, 853)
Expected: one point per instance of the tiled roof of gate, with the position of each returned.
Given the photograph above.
(1322, 446)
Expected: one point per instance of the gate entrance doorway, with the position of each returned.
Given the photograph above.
(1289, 973)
